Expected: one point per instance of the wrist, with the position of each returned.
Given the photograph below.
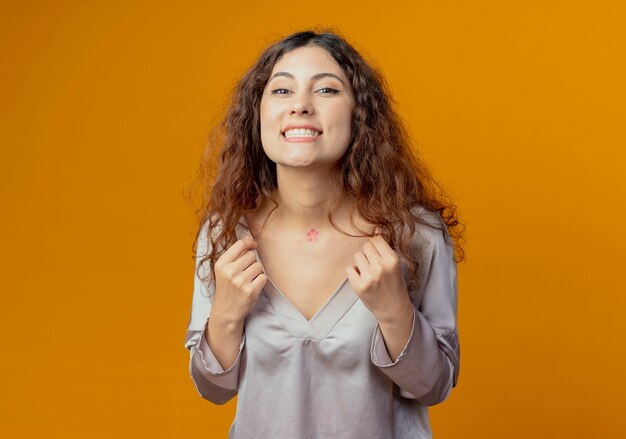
(230, 324)
(403, 312)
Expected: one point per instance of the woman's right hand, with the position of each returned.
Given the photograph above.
(238, 282)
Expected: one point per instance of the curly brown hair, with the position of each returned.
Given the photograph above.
(381, 169)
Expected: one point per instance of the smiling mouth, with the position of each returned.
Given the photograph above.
(301, 134)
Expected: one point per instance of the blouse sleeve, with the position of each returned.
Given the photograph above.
(211, 381)
(428, 367)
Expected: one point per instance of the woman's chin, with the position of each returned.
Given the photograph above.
(297, 158)
(295, 163)
(300, 161)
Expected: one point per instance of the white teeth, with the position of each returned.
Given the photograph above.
(301, 132)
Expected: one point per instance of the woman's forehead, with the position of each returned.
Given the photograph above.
(307, 60)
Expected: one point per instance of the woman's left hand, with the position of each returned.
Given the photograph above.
(379, 282)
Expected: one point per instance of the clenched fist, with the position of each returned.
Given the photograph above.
(239, 279)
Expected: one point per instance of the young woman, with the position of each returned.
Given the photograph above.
(325, 293)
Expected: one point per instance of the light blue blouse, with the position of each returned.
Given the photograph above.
(331, 376)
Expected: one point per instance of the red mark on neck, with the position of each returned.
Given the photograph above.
(312, 234)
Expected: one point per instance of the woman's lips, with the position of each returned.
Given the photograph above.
(300, 139)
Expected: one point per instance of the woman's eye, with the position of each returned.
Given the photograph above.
(276, 91)
(323, 90)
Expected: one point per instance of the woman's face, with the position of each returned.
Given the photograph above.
(306, 110)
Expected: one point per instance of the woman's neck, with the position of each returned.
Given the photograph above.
(305, 198)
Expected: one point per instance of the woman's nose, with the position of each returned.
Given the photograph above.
(301, 104)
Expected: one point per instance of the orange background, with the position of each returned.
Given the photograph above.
(519, 108)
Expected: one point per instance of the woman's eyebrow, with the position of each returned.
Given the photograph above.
(313, 78)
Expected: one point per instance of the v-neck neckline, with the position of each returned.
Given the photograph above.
(319, 311)
(325, 318)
